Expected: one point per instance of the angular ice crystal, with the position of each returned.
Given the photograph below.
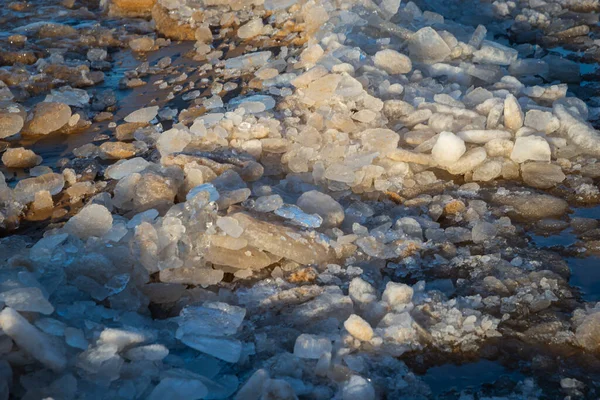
(224, 349)
(427, 46)
(298, 217)
(28, 299)
(213, 319)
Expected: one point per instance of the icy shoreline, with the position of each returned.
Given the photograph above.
(321, 200)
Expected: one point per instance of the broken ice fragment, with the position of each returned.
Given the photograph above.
(283, 241)
(448, 148)
(252, 60)
(26, 189)
(29, 338)
(208, 188)
(92, 220)
(253, 104)
(532, 148)
(268, 203)
(224, 349)
(427, 46)
(315, 202)
(142, 115)
(28, 299)
(299, 217)
(122, 168)
(213, 319)
(312, 346)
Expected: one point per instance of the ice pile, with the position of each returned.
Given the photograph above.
(262, 246)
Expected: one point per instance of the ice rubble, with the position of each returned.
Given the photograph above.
(326, 187)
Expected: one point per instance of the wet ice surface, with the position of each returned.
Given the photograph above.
(304, 199)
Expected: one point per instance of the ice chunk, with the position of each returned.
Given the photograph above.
(397, 294)
(468, 162)
(390, 7)
(427, 46)
(20, 157)
(542, 175)
(358, 388)
(30, 339)
(283, 241)
(489, 170)
(172, 141)
(47, 118)
(542, 121)
(359, 328)
(214, 319)
(92, 220)
(478, 36)
(253, 388)
(448, 148)
(580, 133)
(247, 61)
(253, 104)
(392, 62)
(299, 217)
(69, 96)
(43, 250)
(269, 203)
(315, 202)
(513, 116)
(224, 349)
(483, 231)
(26, 189)
(532, 206)
(250, 29)
(122, 168)
(28, 299)
(10, 124)
(380, 140)
(495, 53)
(74, 337)
(311, 346)
(123, 338)
(208, 188)
(588, 332)
(534, 148)
(499, 147)
(142, 115)
(361, 292)
(151, 352)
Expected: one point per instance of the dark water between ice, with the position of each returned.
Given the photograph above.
(450, 377)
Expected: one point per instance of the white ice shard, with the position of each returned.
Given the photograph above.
(32, 340)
